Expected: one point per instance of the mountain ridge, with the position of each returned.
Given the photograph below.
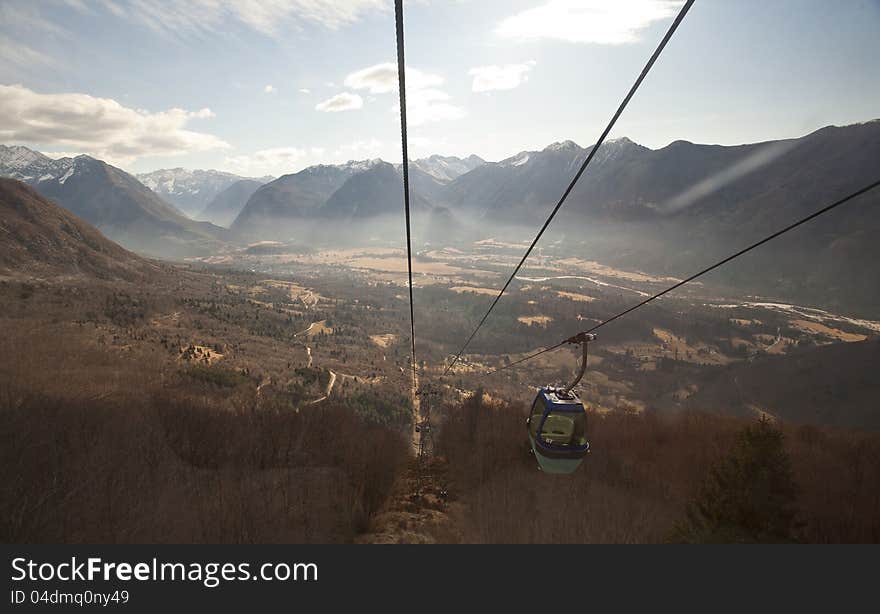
(191, 190)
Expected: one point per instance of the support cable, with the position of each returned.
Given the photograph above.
(589, 158)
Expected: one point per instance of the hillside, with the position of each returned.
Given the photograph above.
(41, 238)
(835, 385)
(113, 201)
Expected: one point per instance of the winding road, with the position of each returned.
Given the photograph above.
(327, 392)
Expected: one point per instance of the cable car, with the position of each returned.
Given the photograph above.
(557, 428)
(557, 423)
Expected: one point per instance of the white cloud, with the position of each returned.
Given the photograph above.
(21, 16)
(588, 21)
(422, 142)
(340, 102)
(357, 150)
(425, 103)
(270, 17)
(99, 126)
(79, 5)
(20, 55)
(429, 105)
(507, 77)
(273, 161)
(382, 78)
(25, 22)
(269, 89)
(305, 90)
(284, 160)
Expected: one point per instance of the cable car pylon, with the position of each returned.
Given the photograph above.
(427, 395)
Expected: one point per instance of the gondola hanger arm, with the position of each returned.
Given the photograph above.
(584, 339)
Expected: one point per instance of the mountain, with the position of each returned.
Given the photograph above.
(190, 190)
(226, 206)
(298, 206)
(447, 168)
(669, 211)
(19, 162)
(113, 201)
(627, 181)
(371, 193)
(524, 187)
(675, 209)
(282, 205)
(39, 237)
(424, 184)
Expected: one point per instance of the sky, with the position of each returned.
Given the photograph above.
(268, 87)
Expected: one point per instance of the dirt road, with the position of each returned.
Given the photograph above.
(327, 391)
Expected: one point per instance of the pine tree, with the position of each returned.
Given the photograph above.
(748, 497)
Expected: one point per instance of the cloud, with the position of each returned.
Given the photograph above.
(22, 56)
(305, 90)
(588, 21)
(24, 22)
(283, 160)
(269, 89)
(420, 141)
(382, 79)
(340, 102)
(356, 150)
(99, 126)
(429, 105)
(270, 17)
(21, 16)
(273, 161)
(507, 77)
(425, 103)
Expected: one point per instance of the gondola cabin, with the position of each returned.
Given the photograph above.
(557, 428)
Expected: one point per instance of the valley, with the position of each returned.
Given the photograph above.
(635, 366)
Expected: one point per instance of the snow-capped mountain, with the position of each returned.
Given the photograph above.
(190, 190)
(19, 162)
(611, 150)
(447, 168)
